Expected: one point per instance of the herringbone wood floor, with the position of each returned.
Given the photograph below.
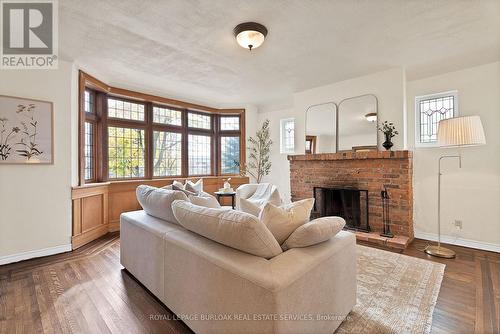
(87, 291)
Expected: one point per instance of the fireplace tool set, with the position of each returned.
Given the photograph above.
(385, 213)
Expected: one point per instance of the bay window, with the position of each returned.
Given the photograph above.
(129, 135)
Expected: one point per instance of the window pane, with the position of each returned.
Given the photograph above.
(89, 101)
(125, 152)
(167, 116)
(199, 157)
(167, 153)
(229, 123)
(230, 155)
(89, 151)
(432, 111)
(125, 110)
(199, 121)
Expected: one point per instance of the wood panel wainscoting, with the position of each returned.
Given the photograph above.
(97, 207)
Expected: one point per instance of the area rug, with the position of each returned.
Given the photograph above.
(396, 293)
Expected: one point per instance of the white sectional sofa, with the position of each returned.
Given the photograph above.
(218, 289)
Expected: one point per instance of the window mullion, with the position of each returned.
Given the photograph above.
(185, 148)
(149, 141)
(216, 163)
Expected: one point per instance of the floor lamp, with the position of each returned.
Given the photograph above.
(454, 132)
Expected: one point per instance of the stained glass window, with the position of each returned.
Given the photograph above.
(287, 135)
(125, 152)
(89, 151)
(199, 121)
(230, 155)
(167, 153)
(199, 154)
(167, 116)
(125, 109)
(229, 123)
(430, 110)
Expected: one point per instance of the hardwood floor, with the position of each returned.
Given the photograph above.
(87, 291)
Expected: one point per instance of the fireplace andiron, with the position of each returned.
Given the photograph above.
(385, 214)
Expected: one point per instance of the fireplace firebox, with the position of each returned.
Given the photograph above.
(348, 203)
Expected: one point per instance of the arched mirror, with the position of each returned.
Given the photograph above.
(357, 123)
(321, 125)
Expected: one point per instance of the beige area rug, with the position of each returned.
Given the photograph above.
(396, 293)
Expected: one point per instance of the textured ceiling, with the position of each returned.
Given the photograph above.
(185, 49)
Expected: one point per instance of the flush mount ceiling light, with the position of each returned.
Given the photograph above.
(371, 117)
(250, 35)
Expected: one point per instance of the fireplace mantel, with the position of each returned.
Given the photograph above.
(350, 155)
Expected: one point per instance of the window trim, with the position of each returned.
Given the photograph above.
(103, 91)
(420, 98)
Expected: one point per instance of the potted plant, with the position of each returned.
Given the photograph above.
(389, 131)
(260, 149)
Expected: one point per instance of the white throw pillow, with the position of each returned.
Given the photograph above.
(194, 187)
(157, 202)
(187, 192)
(232, 228)
(249, 207)
(205, 200)
(314, 232)
(282, 221)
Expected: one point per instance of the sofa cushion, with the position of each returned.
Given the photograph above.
(157, 202)
(205, 200)
(282, 221)
(232, 228)
(249, 207)
(314, 232)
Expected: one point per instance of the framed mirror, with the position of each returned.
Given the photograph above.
(357, 123)
(321, 128)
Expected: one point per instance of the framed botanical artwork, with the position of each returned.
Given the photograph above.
(26, 131)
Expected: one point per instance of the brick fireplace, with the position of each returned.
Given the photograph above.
(371, 171)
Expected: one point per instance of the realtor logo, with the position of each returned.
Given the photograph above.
(29, 34)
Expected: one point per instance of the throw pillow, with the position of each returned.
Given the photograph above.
(157, 202)
(205, 200)
(282, 221)
(181, 188)
(178, 184)
(249, 207)
(232, 228)
(194, 187)
(314, 232)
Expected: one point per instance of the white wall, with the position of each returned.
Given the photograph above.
(387, 86)
(35, 201)
(470, 194)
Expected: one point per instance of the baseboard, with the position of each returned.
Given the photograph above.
(34, 253)
(459, 241)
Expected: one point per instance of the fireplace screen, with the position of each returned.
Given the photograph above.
(348, 203)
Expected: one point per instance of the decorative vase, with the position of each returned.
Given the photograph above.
(388, 143)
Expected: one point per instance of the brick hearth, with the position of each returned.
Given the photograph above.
(363, 170)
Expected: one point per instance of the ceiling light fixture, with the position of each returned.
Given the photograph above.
(371, 117)
(250, 35)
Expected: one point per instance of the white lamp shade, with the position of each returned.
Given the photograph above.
(461, 131)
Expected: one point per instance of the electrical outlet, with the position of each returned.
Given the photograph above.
(458, 224)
